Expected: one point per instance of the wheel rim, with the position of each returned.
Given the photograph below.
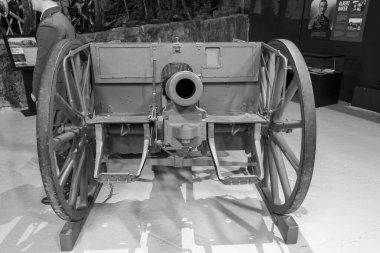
(65, 142)
(288, 141)
(17, 17)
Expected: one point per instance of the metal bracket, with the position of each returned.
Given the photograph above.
(285, 223)
(124, 177)
(125, 128)
(287, 227)
(99, 136)
(249, 179)
(257, 149)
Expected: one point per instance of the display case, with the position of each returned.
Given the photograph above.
(326, 76)
(324, 63)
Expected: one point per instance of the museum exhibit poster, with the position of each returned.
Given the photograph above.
(350, 20)
(22, 50)
(342, 20)
(322, 14)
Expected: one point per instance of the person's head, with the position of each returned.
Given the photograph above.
(322, 7)
(40, 5)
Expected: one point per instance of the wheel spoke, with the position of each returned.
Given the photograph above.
(281, 170)
(273, 177)
(78, 66)
(77, 70)
(263, 88)
(271, 68)
(70, 84)
(271, 73)
(83, 199)
(279, 140)
(86, 77)
(265, 78)
(66, 169)
(289, 94)
(10, 26)
(279, 82)
(86, 89)
(75, 181)
(265, 181)
(16, 17)
(67, 109)
(69, 162)
(20, 27)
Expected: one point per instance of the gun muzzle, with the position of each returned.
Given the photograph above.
(184, 88)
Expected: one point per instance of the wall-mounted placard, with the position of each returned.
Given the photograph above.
(338, 19)
(350, 20)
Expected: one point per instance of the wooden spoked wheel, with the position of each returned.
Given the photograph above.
(17, 17)
(289, 140)
(66, 144)
(86, 15)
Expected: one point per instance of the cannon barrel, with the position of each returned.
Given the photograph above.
(184, 88)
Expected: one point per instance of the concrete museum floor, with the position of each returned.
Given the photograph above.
(165, 213)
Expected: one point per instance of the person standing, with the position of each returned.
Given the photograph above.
(54, 26)
(320, 21)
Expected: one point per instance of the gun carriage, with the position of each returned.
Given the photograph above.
(106, 111)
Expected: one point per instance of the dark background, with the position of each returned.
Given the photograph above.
(269, 20)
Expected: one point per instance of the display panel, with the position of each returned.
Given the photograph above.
(22, 50)
(342, 20)
(350, 20)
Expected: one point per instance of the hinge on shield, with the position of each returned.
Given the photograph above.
(177, 46)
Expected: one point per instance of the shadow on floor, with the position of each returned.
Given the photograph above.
(170, 221)
(29, 226)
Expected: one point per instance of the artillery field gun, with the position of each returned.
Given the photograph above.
(107, 111)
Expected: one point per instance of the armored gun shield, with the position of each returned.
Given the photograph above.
(247, 109)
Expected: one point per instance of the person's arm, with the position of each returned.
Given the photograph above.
(47, 36)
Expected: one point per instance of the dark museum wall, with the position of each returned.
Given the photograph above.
(269, 20)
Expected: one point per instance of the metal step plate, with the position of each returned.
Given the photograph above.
(116, 178)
